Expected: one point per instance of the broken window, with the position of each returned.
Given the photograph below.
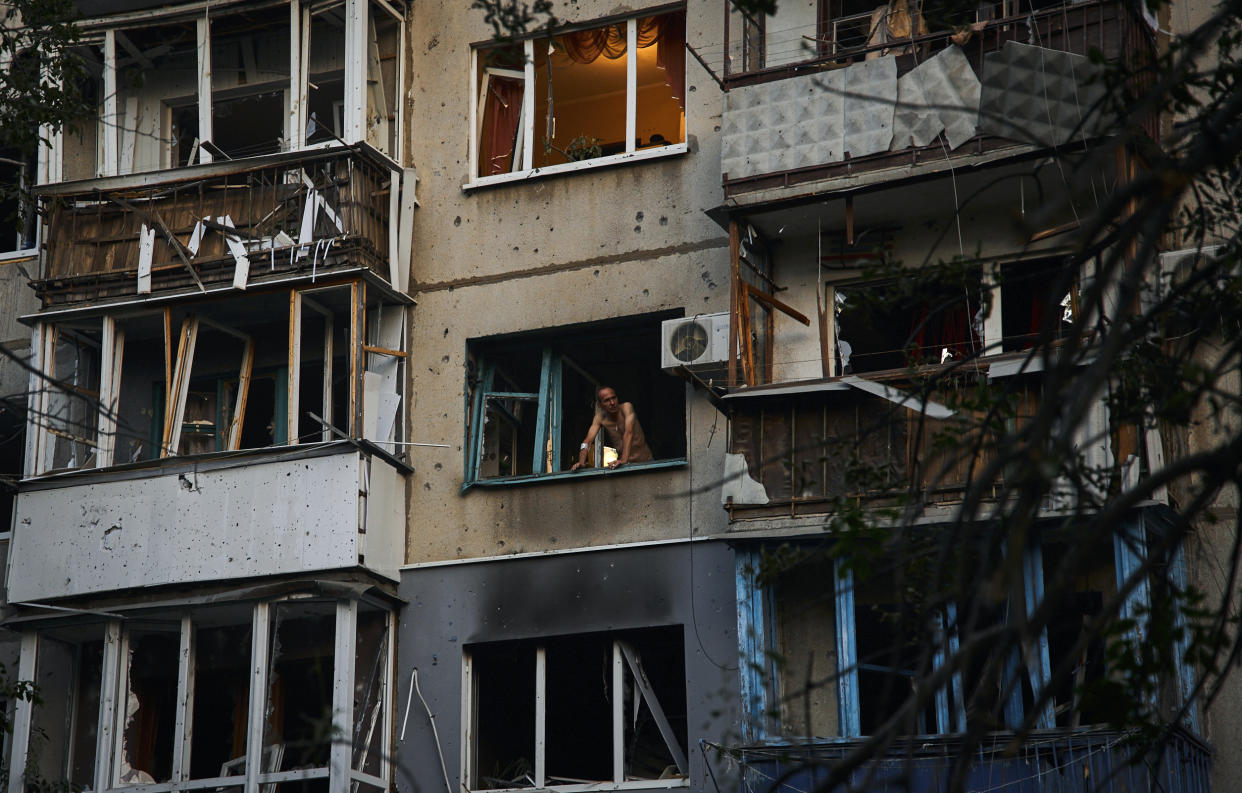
(157, 106)
(66, 405)
(149, 699)
(250, 82)
(853, 647)
(553, 712)
(1037, 298)
(205, 378)
(533, 398)
(575, 103)
(65, 721)
(18, 169)
(893, 326)
(187, 697)
(229, 85)
(297, 731)
(222, 686)
(372, 650)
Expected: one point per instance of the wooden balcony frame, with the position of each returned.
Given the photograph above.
(309, 211)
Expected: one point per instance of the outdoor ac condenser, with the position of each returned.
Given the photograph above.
(697, 342)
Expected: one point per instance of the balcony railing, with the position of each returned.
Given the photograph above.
(1060, 761)
(813, 446)
(755, 57)
(783, 51)
(305, 211)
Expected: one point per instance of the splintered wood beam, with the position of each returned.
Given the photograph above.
(168, 358)
(384, 351)
(745, 334)
(772, 302)
(825, 350)
(295, 365)
(153, 217)
(175, 412)
(849, 220)
(735, 243)
(243, 395)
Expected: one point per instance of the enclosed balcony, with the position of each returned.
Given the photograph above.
(319, 507)
(837, 95)
(224, 225)
(1049, 761)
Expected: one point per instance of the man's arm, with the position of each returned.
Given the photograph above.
(631, 418)
(586, 444)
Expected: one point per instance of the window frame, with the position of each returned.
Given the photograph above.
(339, 770)
(527, 131)
(549, 416)
(103, 33)
(621, 662)
(760, 678)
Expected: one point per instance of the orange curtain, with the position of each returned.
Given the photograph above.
(668, 32)
(587, 45)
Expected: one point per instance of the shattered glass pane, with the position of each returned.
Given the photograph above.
(370, 681)
(297, 732)
(150, 703)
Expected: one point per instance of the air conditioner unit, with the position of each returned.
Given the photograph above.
(696, 342)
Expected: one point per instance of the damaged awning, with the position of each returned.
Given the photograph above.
(904, 399)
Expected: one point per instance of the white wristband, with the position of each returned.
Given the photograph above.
(583, 446)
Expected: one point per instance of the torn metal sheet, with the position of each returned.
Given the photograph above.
(738, 484)
(196, 237)
(870, 97)
(941, 93)
(914, 122)
(146, 251)
(1040, 96)
(933, 410)
(241, 270)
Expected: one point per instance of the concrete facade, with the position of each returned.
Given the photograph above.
(299, 462)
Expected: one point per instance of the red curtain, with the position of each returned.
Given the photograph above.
(501, 114)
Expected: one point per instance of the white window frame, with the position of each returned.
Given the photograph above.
(527, 134)
(112, 716)
(356, 43)
(618, 667)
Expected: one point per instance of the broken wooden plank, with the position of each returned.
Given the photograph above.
(243, 394)
(772, 302)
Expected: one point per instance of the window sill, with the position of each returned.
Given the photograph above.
(586, 473)
(18, 256)
(632, 784)
(672, 150)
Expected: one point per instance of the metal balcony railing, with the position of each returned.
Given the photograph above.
(1050, 761)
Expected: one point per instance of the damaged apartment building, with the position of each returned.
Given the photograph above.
(297, 505)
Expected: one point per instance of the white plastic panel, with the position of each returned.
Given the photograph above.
(266, 518)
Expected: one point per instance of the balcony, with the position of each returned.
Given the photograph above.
(871, 96)
(299, 215)
(1050, 761)
(327, 506)
(809, 444)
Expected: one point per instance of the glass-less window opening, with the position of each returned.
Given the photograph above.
(241, 83)
(211, 697)
(580, 95)
(246, 373)
(532, 398)
(594, 711)
(847, 635)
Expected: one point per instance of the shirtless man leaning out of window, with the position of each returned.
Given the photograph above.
(620, 422)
